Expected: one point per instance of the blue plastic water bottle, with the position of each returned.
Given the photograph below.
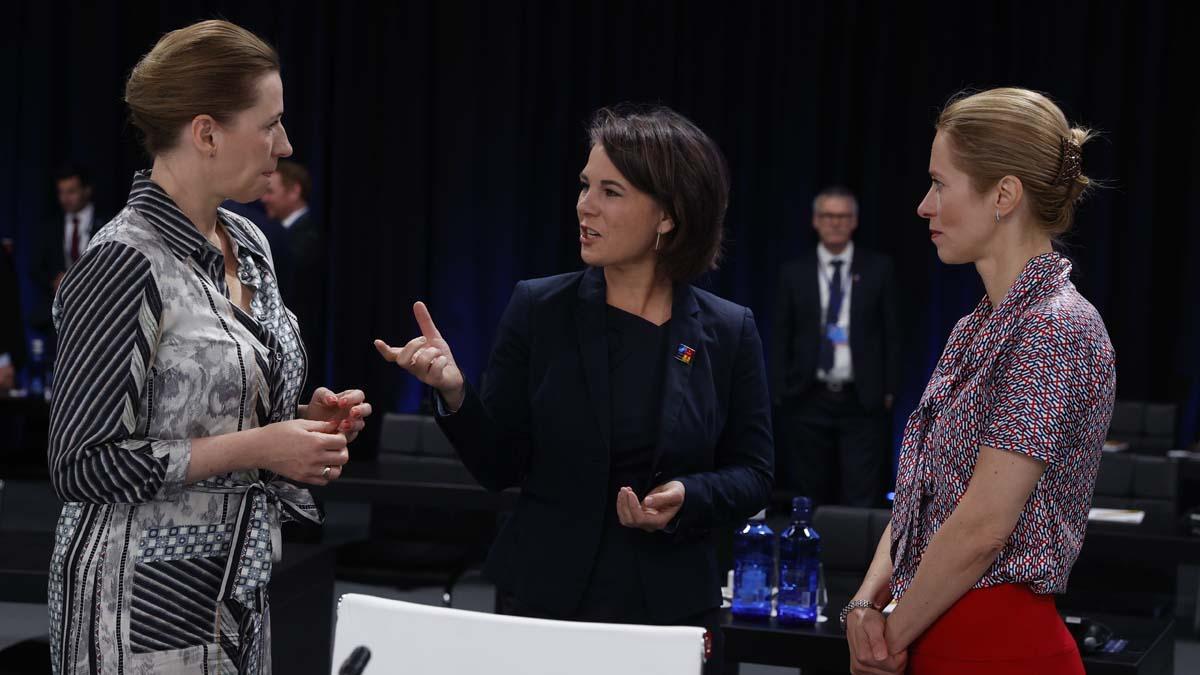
(799, 566)
(36, 373)
(753, 569)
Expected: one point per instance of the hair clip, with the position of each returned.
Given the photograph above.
(1070, 162)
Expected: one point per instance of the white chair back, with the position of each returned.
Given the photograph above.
(411, 639)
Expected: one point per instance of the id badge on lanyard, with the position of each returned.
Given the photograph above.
(837, 334)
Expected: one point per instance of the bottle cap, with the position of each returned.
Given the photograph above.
(801, 506)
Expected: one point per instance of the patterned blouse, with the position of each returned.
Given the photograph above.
(149, 574)
(1035, 375)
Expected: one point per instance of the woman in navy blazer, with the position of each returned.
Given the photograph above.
(630, 407)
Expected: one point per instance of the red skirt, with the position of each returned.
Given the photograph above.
(1001, 630)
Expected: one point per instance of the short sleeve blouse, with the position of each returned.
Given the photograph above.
(1034, 375)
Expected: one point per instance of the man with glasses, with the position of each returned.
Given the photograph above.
(835, 362)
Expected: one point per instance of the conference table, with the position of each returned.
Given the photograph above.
(821, 649)
(1167, 541)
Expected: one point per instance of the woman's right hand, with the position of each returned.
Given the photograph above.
(868, 647)
(429, 359)
(301, 449)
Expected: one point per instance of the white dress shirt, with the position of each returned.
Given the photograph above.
(293, 217)
(85, 231)
(843, 367)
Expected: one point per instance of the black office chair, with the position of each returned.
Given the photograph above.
(29, 657)
(1147, 588)
(849, 536)
(1148, 428)
(1146, 483)
(411, 546)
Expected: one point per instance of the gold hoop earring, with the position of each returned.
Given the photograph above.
(657, 240)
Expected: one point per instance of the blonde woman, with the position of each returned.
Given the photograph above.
(999, 459)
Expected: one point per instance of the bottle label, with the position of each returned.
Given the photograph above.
(754, 584)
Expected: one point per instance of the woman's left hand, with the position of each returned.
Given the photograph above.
(654, 512)
(349, 409)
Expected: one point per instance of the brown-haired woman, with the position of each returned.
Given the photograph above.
(175, 414)
(630, 407)
(999, 459)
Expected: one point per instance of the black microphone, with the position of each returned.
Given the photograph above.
(356, 662)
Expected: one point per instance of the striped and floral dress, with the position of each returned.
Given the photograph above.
(151, 574)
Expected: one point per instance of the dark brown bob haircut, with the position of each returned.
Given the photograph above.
(666, 156)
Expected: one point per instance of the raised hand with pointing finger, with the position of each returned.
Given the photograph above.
(428, 358)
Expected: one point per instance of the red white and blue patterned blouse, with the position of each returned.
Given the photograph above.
(1035, 375)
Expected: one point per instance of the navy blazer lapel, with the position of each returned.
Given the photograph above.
(593, 348)
(684, 329)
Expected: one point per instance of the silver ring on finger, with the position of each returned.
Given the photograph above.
(325, 472)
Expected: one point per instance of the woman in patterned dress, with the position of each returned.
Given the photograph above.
(999, 459)
(175, 420)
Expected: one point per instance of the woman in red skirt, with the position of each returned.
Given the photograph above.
(999, 459)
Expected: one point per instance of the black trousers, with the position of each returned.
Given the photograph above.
(710, 620)
(832, 449)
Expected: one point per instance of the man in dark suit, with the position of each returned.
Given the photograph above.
(298, 249)
(12, 328)
(835, 362)
(63, 240)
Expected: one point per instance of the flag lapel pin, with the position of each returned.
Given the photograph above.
(684, 354)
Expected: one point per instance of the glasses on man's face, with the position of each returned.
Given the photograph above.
(834, 217)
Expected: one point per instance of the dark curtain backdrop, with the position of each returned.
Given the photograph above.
(445, 139)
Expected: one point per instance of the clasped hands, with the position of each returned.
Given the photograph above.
(312, 448)
(866, 631)
(346, 412)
